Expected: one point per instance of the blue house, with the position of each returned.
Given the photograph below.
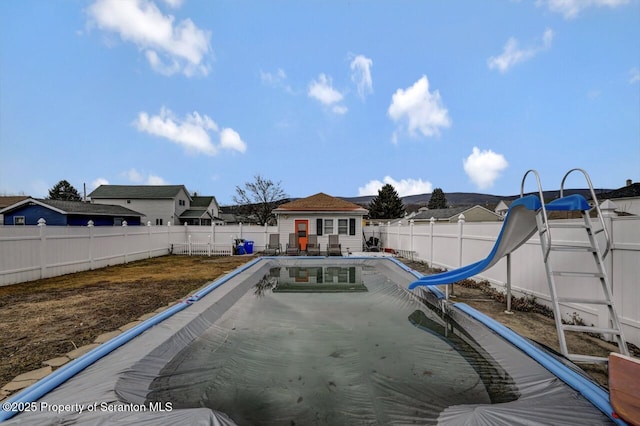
(67, 213)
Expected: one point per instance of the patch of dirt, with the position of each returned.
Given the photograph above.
(529, 319)
(45, 319)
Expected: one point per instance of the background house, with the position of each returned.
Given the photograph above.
(160, 204)
(471, 214)
(322, 215)
(626, 199)
(202, 211)
(67, 213)
(7, 201)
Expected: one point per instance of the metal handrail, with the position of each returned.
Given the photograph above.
(596, 205)
(544, 219)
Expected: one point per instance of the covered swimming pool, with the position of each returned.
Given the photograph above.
(326, 341)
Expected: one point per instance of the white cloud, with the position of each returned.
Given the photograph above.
(512, 54)
(422, 110)
(361, 75)
(230, 139)
(155, 180)
(273, 78)
(340, 109)
(322, 90)
(634, 76)
(136, 177)
(403, 187)
(277, 79)
(175, 4)
(191, 132)
(484, 167)
(97, 182)
(169, 46)
(571, 8)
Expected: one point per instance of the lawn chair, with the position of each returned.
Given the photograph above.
(373, 244)
(274, 247)
(334, 248)
(313, 248)
(293, 249)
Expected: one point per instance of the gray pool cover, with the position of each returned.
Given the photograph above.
(330, 343)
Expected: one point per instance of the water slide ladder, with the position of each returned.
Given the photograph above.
(595, 275)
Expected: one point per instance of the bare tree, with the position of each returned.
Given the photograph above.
(259, 198)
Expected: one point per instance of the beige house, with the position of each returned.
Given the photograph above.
(471, 214)
(160, 204)
(322, 215)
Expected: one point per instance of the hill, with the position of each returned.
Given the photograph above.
(458, 199)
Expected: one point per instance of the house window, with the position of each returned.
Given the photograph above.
(343, 226)
(158, 221)
(328, 226)
(18, 220)
(181, 202)
(128, 201)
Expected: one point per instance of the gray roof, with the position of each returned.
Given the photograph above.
(138, 191)
(75, 207)
(440, 213)
(79, 207)
(198, 201)
(195, 214)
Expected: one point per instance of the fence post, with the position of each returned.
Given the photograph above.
(266, 235)
(432, 221)
(149, 237)
(398, 235)
(43, 249)
(508, 311)
(411, 238)
(240, 231)
(209, 244)
(91, 261)
(189, 244)
(169, 245)
(124, 228)
(460, 233)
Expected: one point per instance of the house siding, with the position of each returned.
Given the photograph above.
(33, 213)
(477, 214)
(168, 209)
(349, 242)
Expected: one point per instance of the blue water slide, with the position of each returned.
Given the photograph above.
(518, 226)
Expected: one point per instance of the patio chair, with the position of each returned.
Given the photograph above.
(293, 249)
(274, 247)
(334, 248)
(313, 248)
(373, 244)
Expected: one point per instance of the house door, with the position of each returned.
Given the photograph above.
(302, 231)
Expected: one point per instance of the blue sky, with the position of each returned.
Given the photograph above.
(322, 96)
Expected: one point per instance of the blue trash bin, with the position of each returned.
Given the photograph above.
(240, 249)
(248, 247)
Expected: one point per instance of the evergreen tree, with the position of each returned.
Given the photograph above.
(63, 190)
(387, 204)
(437, 200)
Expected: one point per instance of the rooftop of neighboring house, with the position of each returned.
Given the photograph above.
(79, 207)
(320, 202)
(138, 191)
(11, 199)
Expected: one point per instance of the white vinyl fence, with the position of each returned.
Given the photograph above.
(32, 252)
(451, 245)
